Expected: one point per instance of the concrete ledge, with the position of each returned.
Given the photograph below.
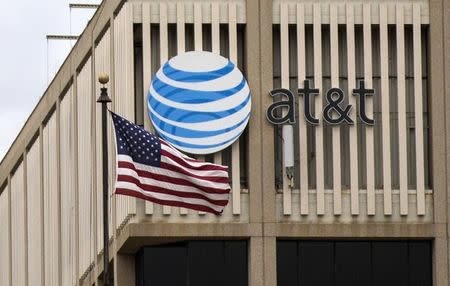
(136, 235)
(354, 231)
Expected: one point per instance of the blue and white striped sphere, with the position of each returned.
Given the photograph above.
(199, 102)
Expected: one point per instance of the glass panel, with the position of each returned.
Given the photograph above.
(193, 263)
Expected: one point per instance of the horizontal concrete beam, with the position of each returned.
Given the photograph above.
(355, 231)
(136, 235)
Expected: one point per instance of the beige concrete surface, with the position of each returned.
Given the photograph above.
(255, 136)
(438, 56)
(256, 261)
(446, 61)
(125, 270)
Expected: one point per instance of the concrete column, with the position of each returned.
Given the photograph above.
(58, 185)
(25, 214)
(270, 261)
(8, 190)
(262, 249)
(255, 262)
(41, 202)
(439, 135)
(94, 144)
(74, 107)
(112, 93)
(255, 139)
(125, 270)
(446, 93)
(440, 261)
(268, 149)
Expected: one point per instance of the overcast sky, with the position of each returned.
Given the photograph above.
(24, 69)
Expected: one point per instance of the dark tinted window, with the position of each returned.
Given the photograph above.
(193, 263)
(357, 263)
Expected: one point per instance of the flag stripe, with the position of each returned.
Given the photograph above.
(208, 175)
(180, 170)
(202, 173)
(156, 189)
(147, 183)
(127, 192)
(194, 165)
(201, 167)
(168, 147)
(166, 197)
(174, 177)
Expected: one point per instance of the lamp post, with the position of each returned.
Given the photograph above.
(104, 99)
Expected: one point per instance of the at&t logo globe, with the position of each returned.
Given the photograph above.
(199, 102)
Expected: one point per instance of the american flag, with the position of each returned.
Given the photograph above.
(151, 169)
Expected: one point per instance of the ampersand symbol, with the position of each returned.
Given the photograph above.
(333, 105)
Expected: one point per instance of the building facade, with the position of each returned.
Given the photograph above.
(367, 203)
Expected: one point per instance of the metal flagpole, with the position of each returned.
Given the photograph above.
(104, 99)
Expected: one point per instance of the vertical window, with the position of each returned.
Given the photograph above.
(198, 263)
(348, 263)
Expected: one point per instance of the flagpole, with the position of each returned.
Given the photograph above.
(104, 99)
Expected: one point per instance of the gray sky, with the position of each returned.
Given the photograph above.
(24, 72)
